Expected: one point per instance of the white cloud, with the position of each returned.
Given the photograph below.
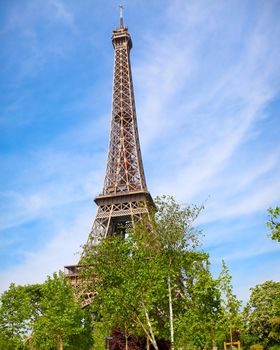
(57, 253)
(62, 12)
(36, 47)
(205, 125)
(26, 15)
(249, 275)
(49, 180)
(201, 91)
(253, 250)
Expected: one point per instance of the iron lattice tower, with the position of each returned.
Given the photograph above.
(125, 198)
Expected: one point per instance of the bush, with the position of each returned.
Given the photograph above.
(274, 347)
(256, 347)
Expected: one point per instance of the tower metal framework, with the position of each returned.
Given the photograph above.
(125, 198)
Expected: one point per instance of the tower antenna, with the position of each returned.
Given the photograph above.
(121, 15)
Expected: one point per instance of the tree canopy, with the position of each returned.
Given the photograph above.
(262, 310)
(43, 316)
(156, 282)
(274, 223)
(153, 289)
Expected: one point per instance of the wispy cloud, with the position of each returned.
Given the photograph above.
(62, 12)
(204, 83)
(37, 47)
(59, 251)
(204, 111)
(27, 14)
(64, 178)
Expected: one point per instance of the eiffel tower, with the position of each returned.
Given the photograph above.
(125, 198)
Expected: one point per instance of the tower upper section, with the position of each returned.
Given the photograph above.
(124, 172)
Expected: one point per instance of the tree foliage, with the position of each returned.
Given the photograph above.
(262, 310)
(61, 322)
(153, 285)
(155, 282)
(231, 316)
(19, 309)
(274, 223)
(45, 316)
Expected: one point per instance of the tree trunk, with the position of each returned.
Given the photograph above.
(153, 339)
(148, 343)
(170, 314)
(214, 344)
(59, 343)
(126, 339)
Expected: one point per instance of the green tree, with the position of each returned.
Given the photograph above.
(124, 281)
(230, 319)
(261, 309)
(169, 239)
(275, 329)
(45, 316)
(61, 322)
(274, 223)
(197, 320)
(19, 307)
(146, 282)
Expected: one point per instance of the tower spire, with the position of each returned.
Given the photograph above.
(121, 16)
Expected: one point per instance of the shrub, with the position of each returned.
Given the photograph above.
(256, 347)
(274, 347)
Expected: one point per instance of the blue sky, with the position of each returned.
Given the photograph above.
(207, 85)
